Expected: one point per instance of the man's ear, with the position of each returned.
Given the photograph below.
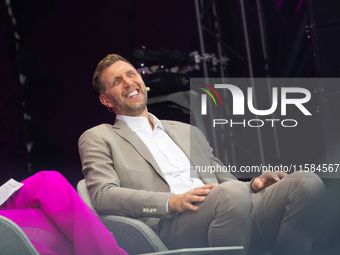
(103, 100)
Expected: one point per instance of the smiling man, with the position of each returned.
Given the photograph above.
(125, 90)
(142, 167)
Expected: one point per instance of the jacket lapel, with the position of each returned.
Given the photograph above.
(126, 133)
(183, 142)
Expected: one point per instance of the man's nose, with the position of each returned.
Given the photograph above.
(127, 81)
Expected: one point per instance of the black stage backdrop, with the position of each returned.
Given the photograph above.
(55, 45)
(60, 44)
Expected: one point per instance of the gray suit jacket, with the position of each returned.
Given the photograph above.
(124, 179)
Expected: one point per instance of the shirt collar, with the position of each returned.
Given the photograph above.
(140, 123)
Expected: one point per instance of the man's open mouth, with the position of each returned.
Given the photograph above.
(132, 93)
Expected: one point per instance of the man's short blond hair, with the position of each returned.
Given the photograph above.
(102, 65)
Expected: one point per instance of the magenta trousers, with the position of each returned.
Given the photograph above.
(55, 218)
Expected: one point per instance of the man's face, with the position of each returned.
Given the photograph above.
(125, 90)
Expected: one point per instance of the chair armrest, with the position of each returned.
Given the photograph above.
(199, 251)
(132, 235)
(13, 240)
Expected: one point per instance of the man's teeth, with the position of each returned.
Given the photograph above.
(132, 93)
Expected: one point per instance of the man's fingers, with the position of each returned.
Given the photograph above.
(184, 201)
(274, 175)
(209, 186)
(281, 174)
(193, 199)
(192, 207)
(270, 175)
(199, 192)
(266, 179)
(187, 204)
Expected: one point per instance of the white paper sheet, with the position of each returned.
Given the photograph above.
(7, 189)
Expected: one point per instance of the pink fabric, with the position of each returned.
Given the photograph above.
(55, 218)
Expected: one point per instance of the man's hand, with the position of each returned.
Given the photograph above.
(183, 202)
(266, 179)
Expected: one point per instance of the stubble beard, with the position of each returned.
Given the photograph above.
(128, 109)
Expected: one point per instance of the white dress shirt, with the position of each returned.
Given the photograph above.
(174, 164)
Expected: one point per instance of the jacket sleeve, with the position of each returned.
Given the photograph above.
(110, 195)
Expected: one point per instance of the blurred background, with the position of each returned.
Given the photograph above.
(49, 50)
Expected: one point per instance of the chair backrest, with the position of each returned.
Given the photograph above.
(84, 194)
(13, 240)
